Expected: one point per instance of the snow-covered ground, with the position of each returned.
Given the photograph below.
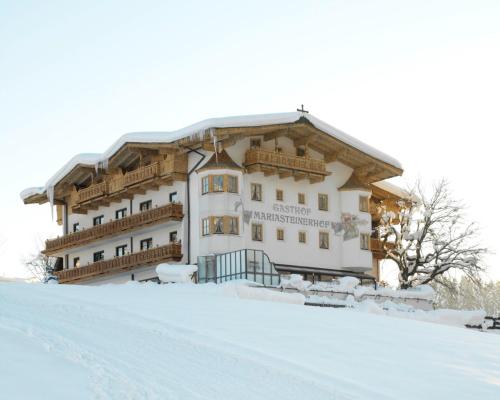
(215, 342)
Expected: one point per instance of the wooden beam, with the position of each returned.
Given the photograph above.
(298, 176)
(268, 170)
(276, 134)
(284, 173)
(304, 140)
(364, 169)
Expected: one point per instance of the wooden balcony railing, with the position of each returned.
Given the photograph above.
(169, 212)
(285, 161)
(140, 174)
(93, 191)
(168, 252)
(117, 185)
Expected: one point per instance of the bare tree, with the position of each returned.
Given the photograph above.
(40, 265)
(428, 235)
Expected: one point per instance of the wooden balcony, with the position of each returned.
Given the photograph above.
(116, 187)
(92, 192)
(141, 174)
(169, 212)
(285, 165)
(377, 249)
(170, 252)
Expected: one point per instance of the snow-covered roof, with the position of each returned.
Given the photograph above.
(198, 130)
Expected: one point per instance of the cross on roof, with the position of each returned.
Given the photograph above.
(301, 109)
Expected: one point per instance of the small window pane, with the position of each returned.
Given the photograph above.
(280, 234)
(232, 184)
(218, 183)
(324, 240)
(257, 232)
(256, 191)
(218, 225)
(204, 185)
(205, 227)
(302, 237)
(302, 198)
(279, 194)
(323, 202)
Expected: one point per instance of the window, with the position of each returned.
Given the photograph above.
(205, 226)
(173, 236)
(218, 183)
(255, 143)
(146, 244)
(279, 194)
(172, 197)
(121, 250)
(256, 191)
(302, 237)
(302, 198)
(363, 203)
(218, 225)
(76, 227)
(257, 232)
(278, 150)
(98, 220)
(205, 187)
(146, 205)
(232, 184)
(324, 240)
(323, 202)
(364, 241)
(300, 152)
(99, 256)
(121, 213)
(233, 225)
(76, 262)
(280, 234)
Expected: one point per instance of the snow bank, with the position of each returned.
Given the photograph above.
(175, 273)
(294, 281)
(250, 291)
(423, 292)
(191, 342)
(202, 128)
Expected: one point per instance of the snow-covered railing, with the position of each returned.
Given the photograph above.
(168, 252)
(169, 212)
(346, 288)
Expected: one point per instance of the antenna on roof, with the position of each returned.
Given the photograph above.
(301, 109)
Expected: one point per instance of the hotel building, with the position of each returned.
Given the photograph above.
(252, 196)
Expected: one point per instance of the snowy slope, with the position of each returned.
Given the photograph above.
(201, 342)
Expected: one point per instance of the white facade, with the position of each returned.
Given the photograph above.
(271, 213)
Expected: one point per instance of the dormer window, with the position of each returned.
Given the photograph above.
(300, 152)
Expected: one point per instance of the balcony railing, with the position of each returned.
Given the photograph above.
(140, 174)
(169, 212)
(93, 191)
(115, 186)
(285, 161)
(171, 251)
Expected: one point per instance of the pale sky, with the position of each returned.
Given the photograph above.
(419, 80)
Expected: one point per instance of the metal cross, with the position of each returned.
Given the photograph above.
(301, 109)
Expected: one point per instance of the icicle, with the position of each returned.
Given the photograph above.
(50, 196)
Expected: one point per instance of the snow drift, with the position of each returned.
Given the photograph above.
(150, 341)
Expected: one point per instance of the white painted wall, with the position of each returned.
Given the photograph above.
(340, 255)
